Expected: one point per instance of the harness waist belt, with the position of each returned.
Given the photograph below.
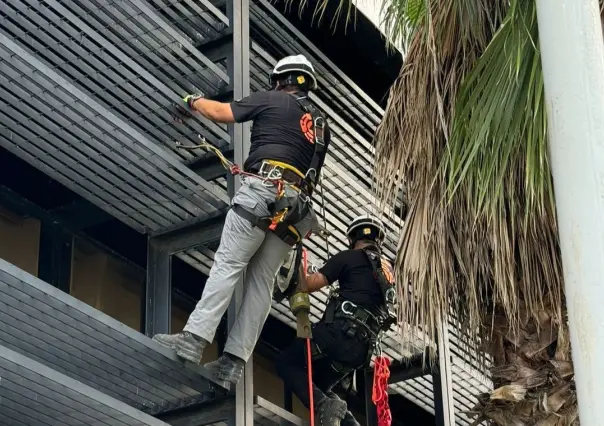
(349, 310)
(288, 173)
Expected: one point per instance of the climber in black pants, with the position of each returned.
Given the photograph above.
(343, 340)
(350, 353)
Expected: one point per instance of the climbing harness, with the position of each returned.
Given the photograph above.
(381, 374)
(317, 135)
(388, 315)
(370, 325)
(286, 211)
(367, 323)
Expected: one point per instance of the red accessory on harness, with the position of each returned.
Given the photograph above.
(381, 373)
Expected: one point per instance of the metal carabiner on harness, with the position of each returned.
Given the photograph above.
(346, 303)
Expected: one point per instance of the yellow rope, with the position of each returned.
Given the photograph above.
(211, 148)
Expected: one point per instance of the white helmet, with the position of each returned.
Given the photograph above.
(292, 64)
(366, 226)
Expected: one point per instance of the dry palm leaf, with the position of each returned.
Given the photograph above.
(563, 369)
(513, 393)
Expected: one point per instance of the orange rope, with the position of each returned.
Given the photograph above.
(309, 354)
(312, 403)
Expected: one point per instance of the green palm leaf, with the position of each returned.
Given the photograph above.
(498, 165)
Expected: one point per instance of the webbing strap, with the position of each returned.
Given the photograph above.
(262, 223)
(385, 286)
(319, 127)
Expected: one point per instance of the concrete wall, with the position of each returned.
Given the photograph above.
(19, 240)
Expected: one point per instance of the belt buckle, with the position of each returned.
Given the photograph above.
(263, 168)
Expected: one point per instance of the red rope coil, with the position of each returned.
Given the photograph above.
(381, 373)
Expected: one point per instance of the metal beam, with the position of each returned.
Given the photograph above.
(238, 67)
(34, 394)
(442, 382)
(370, 408)
(415, 367)
(191, 234)
(209, 166)
(160, 249)
(81, 214)
(158, 291)
(219, 48)
(216, 411)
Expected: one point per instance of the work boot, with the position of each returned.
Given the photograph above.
(330, 412)
(226, 370)
(186, 345)
(348, 419)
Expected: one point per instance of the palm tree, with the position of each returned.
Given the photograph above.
(465, 135)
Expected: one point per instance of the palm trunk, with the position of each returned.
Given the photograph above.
(532, 374)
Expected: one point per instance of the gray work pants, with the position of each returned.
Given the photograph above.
(245, 255)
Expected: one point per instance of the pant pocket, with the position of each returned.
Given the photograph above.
(254, 197)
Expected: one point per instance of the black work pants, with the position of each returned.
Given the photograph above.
(349, 353)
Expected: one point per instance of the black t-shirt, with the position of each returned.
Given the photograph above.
(353, 271)
(277, 132)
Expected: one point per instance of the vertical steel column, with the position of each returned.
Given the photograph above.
(572, 55)
(439, 416)
(288, 404)
(370, 409)
(55, 255)
(158, 291)
(442, 381)
(238, 64)
(160, 248)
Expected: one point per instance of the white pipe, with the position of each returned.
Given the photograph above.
(573, 66)
(446, 374)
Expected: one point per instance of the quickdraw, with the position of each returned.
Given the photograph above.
(381, 374)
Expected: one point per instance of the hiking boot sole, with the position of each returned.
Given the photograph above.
(190, 355)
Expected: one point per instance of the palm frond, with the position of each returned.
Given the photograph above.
(401, 18)
(410, 144)
(498, 171)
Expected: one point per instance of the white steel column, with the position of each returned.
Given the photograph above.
(446, 411)
(573, 66)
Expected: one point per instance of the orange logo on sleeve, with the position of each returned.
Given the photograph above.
(307, 127)
(388, 270)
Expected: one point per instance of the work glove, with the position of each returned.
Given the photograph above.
(184, 111)
(299, 304)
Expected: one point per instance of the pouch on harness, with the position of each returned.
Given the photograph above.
(286, 212)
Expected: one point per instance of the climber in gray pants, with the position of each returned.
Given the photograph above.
(288, 143)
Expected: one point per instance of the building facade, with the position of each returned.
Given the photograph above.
(108, 229)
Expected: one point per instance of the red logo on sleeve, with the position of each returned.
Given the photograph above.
(307, 127)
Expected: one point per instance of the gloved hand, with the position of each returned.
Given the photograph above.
(183, 111)
(299, 304)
